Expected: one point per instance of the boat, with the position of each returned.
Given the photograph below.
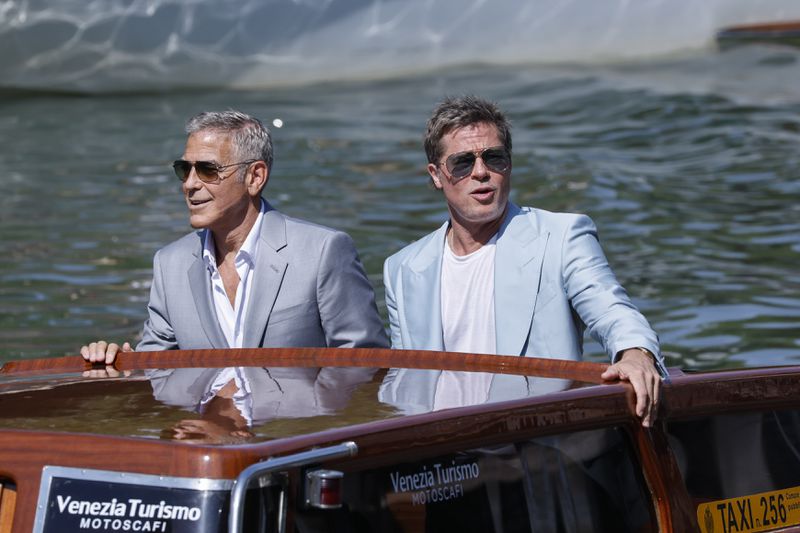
(160, 46)
(784, 33)
(335, 439)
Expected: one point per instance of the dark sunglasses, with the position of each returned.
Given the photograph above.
(460, 165)
(207, 171)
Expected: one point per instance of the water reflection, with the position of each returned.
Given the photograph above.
(414, 391)
(239, 404)
(231, 401)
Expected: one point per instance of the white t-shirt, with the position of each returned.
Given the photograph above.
(468, 300)
(467, 322)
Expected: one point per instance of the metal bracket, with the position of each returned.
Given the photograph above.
(257, 470)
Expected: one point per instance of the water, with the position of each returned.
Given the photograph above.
(137, 45)
(689, 167)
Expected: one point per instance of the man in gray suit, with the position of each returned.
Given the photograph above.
(497, 278)
(251, 276)
(258, 396)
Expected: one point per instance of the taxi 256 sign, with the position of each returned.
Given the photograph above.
(751, 513)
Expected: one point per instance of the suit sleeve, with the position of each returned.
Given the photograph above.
(599, 299)
(346, 299)
(157, 333)
(391, 307)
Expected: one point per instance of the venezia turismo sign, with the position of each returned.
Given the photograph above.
(99, 501)
(439, 482)
(138, 513)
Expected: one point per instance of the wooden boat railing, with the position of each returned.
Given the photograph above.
(584, 371)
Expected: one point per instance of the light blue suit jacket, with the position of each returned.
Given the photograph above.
(552, 282)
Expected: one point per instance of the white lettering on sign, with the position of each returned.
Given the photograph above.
(455, 472)
(118, 524)
(417, 481)
(163, 511)
(439, 494)
(138, 509)
(441, 483)
(110, 508)
(131, 515)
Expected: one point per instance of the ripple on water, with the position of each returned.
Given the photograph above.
(689, 172)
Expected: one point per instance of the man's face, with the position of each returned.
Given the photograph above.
(220, 206)
(480, 197)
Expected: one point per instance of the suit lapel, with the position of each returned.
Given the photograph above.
(422, 288)
(270, 269)
(200, 285)
(518, 267)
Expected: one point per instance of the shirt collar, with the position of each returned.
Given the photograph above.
(248, 250)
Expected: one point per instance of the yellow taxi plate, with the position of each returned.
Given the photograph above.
(751, 513)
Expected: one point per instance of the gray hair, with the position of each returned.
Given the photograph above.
(457, 112)
(250, 139)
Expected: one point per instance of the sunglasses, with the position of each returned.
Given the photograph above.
(207, 171)
(460, 164)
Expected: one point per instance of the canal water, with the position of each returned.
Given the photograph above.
(688, 166)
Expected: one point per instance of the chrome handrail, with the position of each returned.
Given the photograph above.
(236, 513)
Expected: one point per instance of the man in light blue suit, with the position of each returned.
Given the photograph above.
(501, 279)
(250, 276)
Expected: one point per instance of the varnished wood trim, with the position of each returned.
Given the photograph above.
(664, 479)
(309, 357)
(711, 393)
(8, 503)
(778, 27)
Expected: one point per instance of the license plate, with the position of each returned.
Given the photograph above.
(751, 513)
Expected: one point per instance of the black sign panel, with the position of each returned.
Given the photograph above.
(86, 504)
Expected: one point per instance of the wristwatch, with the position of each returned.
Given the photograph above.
(647, 352)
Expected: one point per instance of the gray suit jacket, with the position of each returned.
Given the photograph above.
(280, 392)
(309, 289)
(552, 281)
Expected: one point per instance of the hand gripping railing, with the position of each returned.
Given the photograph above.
(236, 514)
